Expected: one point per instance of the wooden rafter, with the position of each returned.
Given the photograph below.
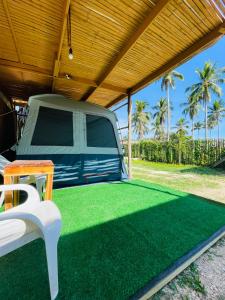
(11, 65)
(6, 8)
(93, 84)
(14, 66)
(62, 35)
(129, 44)
(183, 56)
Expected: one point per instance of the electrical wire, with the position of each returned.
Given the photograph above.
(69, 28)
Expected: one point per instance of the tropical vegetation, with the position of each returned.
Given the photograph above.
(176, 145)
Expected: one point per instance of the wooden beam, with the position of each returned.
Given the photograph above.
(61, 39)
(6, 8)
(128, 44)
(77, 79)
(15, 66)
(93, 84)
(129, 110)
(180, 58)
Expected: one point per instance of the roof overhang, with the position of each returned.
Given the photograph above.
(119, 46)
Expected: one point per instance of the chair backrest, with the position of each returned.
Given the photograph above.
(3, 163)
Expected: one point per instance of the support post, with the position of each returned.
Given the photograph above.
(129, 110)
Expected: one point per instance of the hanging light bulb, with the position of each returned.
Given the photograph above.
(69, 35)
(70, 55)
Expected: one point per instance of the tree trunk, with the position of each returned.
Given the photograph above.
(168, 113)
(193, 142)
(179, 153)
(206, 121)
(218, 138)
(218, 131)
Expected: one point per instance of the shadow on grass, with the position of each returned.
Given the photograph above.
(117, 256)
(204, 171)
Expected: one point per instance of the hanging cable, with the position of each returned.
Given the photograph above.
(69, 34)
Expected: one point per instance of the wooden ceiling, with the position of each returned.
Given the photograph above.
(119, 46)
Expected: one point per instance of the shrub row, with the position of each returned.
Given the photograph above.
(189, 152)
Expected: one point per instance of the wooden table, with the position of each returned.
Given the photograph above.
(18, 168)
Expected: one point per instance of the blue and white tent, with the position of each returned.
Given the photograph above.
(80, 138)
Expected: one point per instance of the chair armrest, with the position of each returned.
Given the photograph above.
(46, 215)
(33, 197)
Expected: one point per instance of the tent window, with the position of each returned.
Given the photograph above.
(100, 132)
(54, 127)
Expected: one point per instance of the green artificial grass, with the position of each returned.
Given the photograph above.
(116, 237)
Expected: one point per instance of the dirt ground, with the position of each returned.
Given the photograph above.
(204, 280)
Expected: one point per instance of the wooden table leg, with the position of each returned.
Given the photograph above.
(16, 193)
(8, 194)
(49, 185)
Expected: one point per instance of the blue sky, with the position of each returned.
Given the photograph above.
(152, 93)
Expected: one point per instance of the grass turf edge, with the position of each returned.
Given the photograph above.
(180, 265)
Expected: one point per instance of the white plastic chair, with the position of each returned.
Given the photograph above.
(39, 181)
(31, 220)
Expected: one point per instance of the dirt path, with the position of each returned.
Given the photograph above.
(207, 186)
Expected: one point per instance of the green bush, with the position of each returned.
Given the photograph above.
(179, 151)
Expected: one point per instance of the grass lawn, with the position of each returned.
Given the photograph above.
(202, 181)
(115, 238)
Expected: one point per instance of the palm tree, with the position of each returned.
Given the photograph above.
(209, 78)
(198, 126)
(191, 108)
(157, 129)
(160, 114)
(211, 125)
(181, 126)
(181, 131)
(140, 119)
(168, 81)
(216, 113)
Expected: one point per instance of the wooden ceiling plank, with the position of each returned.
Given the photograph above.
(128, 44)
(6, 8)
(186, 54)
(61, 39)
(181, 57)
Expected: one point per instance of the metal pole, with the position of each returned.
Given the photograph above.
(129, 111)
(120, 106)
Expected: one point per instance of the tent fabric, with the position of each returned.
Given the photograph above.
(80, 138)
